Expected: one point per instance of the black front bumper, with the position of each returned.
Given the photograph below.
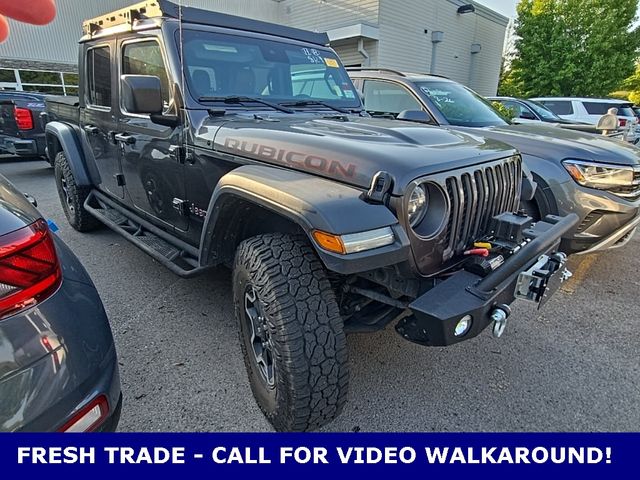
(438, 311)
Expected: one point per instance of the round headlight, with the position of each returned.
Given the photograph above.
(417, 206)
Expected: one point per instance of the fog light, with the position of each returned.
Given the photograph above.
(463, 326)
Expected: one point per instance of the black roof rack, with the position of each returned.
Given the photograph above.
(165, 9)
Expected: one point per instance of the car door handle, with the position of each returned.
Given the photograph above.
(91, 129)
(124, 138)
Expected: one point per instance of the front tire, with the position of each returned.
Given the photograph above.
(72, 196)
(291, 332)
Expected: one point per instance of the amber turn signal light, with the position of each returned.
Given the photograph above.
(332, 243)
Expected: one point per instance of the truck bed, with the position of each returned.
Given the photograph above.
(61, 108)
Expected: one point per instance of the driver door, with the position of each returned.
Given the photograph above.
(154, 176)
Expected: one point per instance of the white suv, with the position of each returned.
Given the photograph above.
(589, 110)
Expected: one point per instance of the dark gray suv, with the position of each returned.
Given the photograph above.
(596, 177)
(58, 364)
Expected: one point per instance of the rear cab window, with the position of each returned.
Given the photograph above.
(99, 77)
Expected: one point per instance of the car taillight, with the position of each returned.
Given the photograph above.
(29, 268)
(24, 118)
(623, 122)
(89, 417)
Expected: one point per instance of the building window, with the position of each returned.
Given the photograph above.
(99, 77)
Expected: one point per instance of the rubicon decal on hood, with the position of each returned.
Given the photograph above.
(290, 158)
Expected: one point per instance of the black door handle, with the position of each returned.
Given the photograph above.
(124, 138)
(91, 129)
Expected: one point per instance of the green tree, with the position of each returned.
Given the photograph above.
(631, 86)
(573, 47)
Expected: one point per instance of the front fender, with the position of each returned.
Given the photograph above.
(312, 203)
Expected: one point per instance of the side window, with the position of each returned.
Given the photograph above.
(513, 106)
(597, 108)
(145, 58)
(99, 77)
(559, 107)
(388, 98)
(520, 110)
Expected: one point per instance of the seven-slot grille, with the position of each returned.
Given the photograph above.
(477, 196)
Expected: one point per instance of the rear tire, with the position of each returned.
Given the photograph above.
(291, 332)
(72, 196)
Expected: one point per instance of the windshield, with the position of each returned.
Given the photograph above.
(220, 65)
(543, 111)
(459, 105)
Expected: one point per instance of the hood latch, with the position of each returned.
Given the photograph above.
(380, 186)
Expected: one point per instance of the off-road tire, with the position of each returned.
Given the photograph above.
(73, 199)
(306, 332)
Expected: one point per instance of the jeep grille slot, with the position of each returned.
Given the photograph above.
(477, 196)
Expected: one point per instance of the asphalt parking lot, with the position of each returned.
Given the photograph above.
(574, 366)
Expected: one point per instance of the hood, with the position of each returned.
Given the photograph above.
(349, 149)
(546, 141)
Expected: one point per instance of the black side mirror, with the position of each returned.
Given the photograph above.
(141, 94)
(414, 116)
(31, 200)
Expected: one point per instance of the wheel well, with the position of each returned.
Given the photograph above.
(239, 219)
(543, 198)
(53, 146)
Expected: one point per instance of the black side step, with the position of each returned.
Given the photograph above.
(179, 257)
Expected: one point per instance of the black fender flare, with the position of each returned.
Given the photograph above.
(541, 168)
(68, 140)
(312, 203)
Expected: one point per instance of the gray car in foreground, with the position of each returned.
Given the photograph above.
(593, 176)
(58, 364)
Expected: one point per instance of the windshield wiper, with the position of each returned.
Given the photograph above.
(305, 103)
(236, 99)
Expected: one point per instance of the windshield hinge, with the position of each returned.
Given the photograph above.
(180, 154)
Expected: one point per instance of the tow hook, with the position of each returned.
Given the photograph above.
(499, 315)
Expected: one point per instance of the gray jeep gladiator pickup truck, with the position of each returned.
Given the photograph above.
(207, 139)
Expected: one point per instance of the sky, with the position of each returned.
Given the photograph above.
(505, 7)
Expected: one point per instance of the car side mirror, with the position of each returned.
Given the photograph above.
(527, 115)
(31, 200)
(141, 94)
(414, 116)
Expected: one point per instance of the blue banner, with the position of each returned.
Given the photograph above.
(454, 455)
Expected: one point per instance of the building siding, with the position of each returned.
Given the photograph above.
(323, 15)
(405, 46)
(402, 44)
(58, 41)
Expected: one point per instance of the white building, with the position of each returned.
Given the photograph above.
(456, 38)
